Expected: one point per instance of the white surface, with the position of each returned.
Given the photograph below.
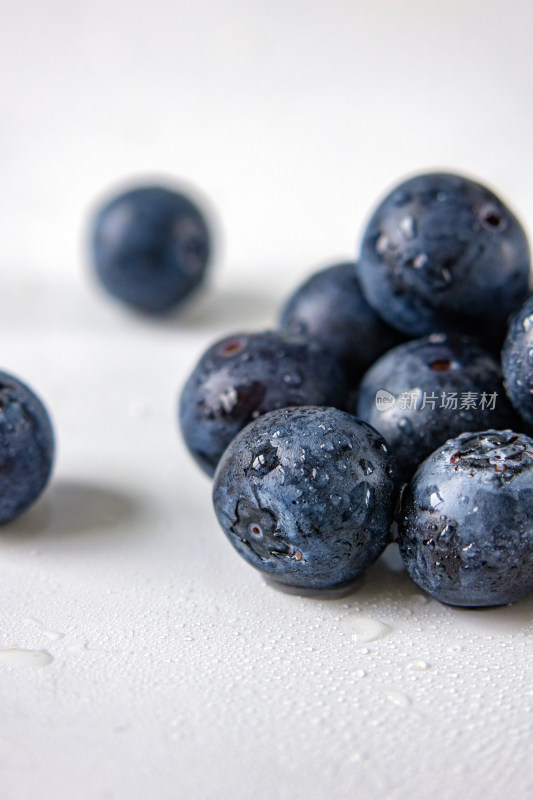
(162, 666)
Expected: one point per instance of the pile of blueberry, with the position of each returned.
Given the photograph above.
(378, 404)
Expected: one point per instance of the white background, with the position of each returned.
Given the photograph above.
(163, 666)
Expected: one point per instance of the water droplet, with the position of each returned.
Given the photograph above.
(228, 399)
(293, 379)
(408, 227)
(420, 261)
(528, 323)
(382, 244)
(398, 698)
(17, 657)
(418, 664)
(446, 275)
(435, 500)
(363, 629)
(405, 425)
(55, 636)
(366, 466)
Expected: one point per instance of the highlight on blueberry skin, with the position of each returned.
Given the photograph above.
(26, 447)
(444, 253)
(245, 375)
(517, 362)
(306, 495)
(150, 248)
(330, 306)
(433, 388)
(465, 527)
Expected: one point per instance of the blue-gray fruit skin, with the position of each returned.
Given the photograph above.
(307, 495)
(443, 253)
(517, 362)
(26, 447)
(245, 375)
(465, 527)
(436, 365)
(150, 248)
(330, 306)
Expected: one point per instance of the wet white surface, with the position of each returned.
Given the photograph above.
(138, 655)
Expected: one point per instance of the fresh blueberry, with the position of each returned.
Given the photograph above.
(466, 521)
(425, 391)
(26, 447)
(307, 495)
(150, 248)
(443, 253)
(517, 362)
(246, 375)
(330, 306)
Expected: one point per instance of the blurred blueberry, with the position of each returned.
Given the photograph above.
(150, 248)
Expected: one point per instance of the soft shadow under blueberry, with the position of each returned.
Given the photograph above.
(389, 575)
(236, 309)
(374, 584)
(74, 508)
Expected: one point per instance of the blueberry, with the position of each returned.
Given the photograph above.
(26, 447)
(517, 362)
(466, 521)
(150, 247)
(245, 375)
(425, 391)
(330, 306)
(306, 495)
(443, 253)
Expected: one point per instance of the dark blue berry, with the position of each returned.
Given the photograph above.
(330, 306)
(443, 253)
(466, 521)
(425, 391)
(245, 375)
(306, 495)
(150, 248)
(517, 362)
(26, 447)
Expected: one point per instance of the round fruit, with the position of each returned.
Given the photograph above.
(425, 391)
(247, 374)
(443, 253)
(330, 307)
(150, 247)
(26, 447)
(465, 527)
(307, 495)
